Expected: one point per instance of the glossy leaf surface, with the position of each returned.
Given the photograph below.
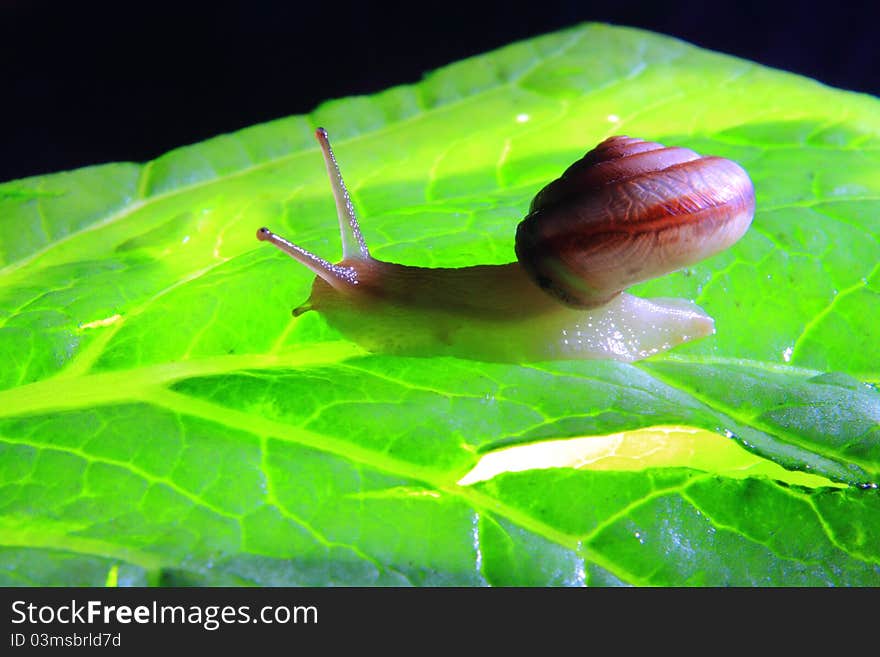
(162, 412)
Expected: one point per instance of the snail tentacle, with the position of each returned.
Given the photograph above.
(339, 276)
(353, 244)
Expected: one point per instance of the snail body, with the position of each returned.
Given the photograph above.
(627, 211)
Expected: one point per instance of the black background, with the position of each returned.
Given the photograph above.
(85, 82)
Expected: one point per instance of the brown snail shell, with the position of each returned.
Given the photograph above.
(628, 211)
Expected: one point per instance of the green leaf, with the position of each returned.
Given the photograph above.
(164, 419)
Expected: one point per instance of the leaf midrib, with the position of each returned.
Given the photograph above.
(147, 388)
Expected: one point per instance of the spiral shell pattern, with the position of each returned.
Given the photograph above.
(628, 211)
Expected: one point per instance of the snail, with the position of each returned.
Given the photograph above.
(628, 211)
